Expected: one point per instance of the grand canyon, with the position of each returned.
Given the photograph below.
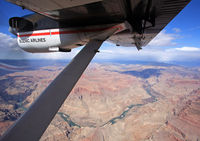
(111, 102)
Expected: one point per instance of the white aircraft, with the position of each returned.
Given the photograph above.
(66, 24)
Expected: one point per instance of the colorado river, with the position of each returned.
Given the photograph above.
(66, 118)
(121, 116)
(112, 121)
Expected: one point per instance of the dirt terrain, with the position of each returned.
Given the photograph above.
(112, 102)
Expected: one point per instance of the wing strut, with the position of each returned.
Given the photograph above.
(36, 119)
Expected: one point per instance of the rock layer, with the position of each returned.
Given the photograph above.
(112, 102)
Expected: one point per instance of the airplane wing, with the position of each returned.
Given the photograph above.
(146, 17)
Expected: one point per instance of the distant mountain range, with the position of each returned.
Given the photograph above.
(7, 66)
(45, 62)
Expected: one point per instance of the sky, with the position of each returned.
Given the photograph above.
(179, 41)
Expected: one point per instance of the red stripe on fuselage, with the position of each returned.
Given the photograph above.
(68, 32)
(34, 34)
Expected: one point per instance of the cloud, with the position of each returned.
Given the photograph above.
(11, 50)
(190, 49)
(160, 54)
(183, 54)
(163, 39)
(177, 30)
(7, 41)
(108, 51)
(194, 28)
(9, 47)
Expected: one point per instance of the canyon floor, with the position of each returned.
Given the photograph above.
(112, 102)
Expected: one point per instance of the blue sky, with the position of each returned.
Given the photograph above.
(179, 41)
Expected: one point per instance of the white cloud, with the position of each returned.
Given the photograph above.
(7, 41)
(190, 49)
(177, 30)
(10, 50)
(194, 28)
(160, 54)
(106, 51)
(163, 39)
